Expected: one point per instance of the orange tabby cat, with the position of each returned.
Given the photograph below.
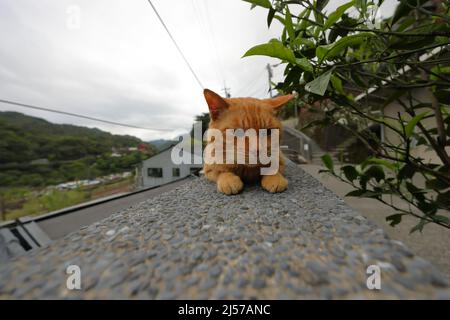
(244, 113)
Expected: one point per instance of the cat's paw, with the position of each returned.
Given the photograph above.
(229, 184)
(274, 183)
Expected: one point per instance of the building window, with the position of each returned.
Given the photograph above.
(175, 172)
(155, 172)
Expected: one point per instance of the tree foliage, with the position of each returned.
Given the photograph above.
(72, 152)
(204, 119)
(359, 65)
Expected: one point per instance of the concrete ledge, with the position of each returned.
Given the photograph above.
(193, 242)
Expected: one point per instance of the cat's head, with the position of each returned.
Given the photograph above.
(245, 113)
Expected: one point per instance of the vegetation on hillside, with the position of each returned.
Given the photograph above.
(161, 144)
(35, 152)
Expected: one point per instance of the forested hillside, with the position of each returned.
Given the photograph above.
(162, 144)
(66, 152)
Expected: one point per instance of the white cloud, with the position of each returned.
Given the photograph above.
(120, 64)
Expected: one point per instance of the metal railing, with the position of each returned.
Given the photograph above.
(298, 142)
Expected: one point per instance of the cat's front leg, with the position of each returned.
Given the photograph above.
(229, 183)
(274, 183)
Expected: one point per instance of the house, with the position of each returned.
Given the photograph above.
(144, 148)
(393, 109)
(160, 169)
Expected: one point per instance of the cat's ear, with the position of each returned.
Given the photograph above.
(216, 103)
(277, 102)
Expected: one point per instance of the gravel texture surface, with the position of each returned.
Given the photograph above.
(194, 243)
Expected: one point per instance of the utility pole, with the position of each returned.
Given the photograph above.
(270, 74)
(226, 91)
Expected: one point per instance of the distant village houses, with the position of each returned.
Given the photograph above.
(120, 152)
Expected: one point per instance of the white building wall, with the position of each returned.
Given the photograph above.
(163, 160)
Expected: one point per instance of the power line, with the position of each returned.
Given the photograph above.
(204, 30)
(251, 84)
(78, 115)
(176, 45)
(213, 37)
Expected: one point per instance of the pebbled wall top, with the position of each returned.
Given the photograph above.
(194, 243)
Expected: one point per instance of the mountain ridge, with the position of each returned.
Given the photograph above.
(72, 151)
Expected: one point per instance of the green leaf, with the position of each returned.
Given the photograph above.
(270, 16)
(262, 3)
(363, 194)
(443, 96)
(288, 24)
(439, 70)
(444, 199)
(304, 64)
(336, 15)
(427, 207)
(394, 96)
(394, 219)
(413, 189)
(299, 41)
(328, 162)
(419, 195)
(274, 48)
(407, 171)
(409, 128)
(419, 226)
(442, 218)
(350, 172)
(280, 19)
(382, 162)
(305, 14)
(407, 22)
(333, 49)
(404, 7)
(358, 80)
(355, 193)
(320, 4)
(375, 172)
(318, 18)
(320, 84)
(337, 84)
(436, 184)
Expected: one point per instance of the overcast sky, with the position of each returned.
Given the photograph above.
(118, 63)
